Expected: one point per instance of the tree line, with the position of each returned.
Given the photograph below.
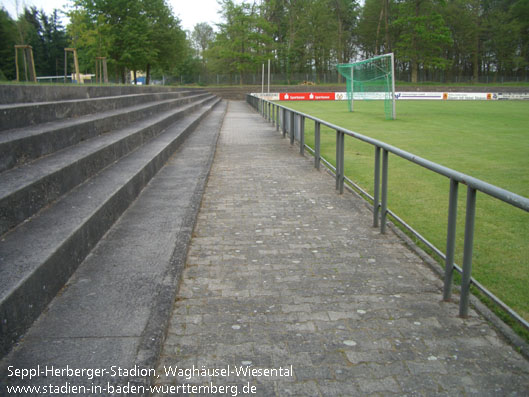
(433, 40)
(133, 35)
(43, 32)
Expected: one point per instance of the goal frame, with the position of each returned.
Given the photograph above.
(392, 85)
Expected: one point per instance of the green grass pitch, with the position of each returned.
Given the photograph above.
(485, 139)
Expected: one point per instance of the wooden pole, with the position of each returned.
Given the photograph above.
(27, 55)
(105, 72)
(76, 63)
(16, 62)
(32, 65)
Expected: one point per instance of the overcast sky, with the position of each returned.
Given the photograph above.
(190, 12)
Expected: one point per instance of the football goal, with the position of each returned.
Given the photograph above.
(372, 78)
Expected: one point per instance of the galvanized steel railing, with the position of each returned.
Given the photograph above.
(286, 118)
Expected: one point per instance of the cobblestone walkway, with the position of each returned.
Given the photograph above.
(286, 277)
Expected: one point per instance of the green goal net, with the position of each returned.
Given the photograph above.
(372, 78)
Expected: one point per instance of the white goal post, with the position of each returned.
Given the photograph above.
(372, 78)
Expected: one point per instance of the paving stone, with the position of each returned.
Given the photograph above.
(284, 271)
(388, 384)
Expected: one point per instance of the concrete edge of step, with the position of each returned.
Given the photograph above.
(154, 335)
(29, 114)
(28, 93)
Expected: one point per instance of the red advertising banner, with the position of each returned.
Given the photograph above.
(307, 96)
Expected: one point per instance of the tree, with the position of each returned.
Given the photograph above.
(520, 13)
(463, 20)
(501, 41)
(48, 40)
(137, 51)
(29, 30)
(346, 14)
(7, 49)
(243, 41)
(134, 34)
(321, 27)
(166, 37)
(423, 36)
(368, 40)
(202, 37)
(296, 50)
(92, 38)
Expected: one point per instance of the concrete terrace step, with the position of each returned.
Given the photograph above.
(25, 190)
(18, 146)
(115, 308)
(39, 256)
(26, 114)
(21, 93)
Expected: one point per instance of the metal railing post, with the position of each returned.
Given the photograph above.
(284, 122)
(467, 251)
(296, 126)
(277, 117)
(337, 157)
(292, 115)
(384, 209)
(317, 152)
(450, 239)
(340, 160)
(376, 193)
(302, 135)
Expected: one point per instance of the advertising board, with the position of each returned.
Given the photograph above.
(342, 96)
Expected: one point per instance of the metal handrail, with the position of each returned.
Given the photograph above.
(284, 116)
